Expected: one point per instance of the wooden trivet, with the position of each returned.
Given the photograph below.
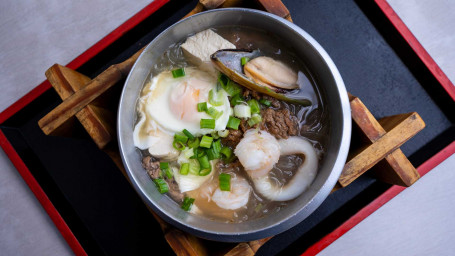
(87, 99)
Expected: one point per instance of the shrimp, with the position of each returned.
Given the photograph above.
(234, 199)
(261, 149)
(258, 152)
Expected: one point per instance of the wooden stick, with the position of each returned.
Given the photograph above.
(83, 97)
(402, 128)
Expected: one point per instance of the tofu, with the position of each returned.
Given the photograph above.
(198, 48)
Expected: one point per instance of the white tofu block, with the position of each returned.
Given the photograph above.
(199, 47)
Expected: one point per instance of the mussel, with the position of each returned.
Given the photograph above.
(262, 74)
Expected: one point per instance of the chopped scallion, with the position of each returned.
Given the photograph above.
(188, 134)
(178, 72)
(178, 145)
(237, 99)
(194, 143)
(223, 133)
(216, 146)
(206, 142)
(188, 153)
(244, 60)
(187, 203)
(255, 119)
(228, 85)
(161, 185)
(214, 135)
(185, 168)
(207, 123)
(215, 114)
(225, 182)
(215, 98)
(164, 165)
(233, 123)
(211, 154)
(255, 109)
(205, 172)
(202, 107)
(242, 111)
(168, 173)
(179, 137)
(265, 102)
(194, 167)
(227, 152)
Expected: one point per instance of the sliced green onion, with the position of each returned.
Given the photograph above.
(205, 172)
(237, 99)
(185, 168)
(214, 135)
(202, 107)
(244, 60)
(188, 153)
(230, 159)
(258, 208)
(215, 114)
(215, 98)
(225, 182)
(207, 123)
(194, 167)
(216, 146)
(178, 145)
(179, 137)
(168, 173)
(178, 72)
(206, 142)
(233, 123)
(227, 152)
(255, 119)
(229, 86)
(223, 133)
(164, 165)
(255, 109)
(212, 154)
(161, 185)
(187, 203)
(188, 134)
(204, 162)
(194, 143)
(265, 102)
(242, 111)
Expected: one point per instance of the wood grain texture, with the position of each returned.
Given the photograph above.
(395, 168)
(276, 7)
(400, 129)
(80, 99)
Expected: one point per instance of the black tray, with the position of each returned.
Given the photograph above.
(106, 215)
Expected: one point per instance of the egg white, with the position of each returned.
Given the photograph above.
(172, 102)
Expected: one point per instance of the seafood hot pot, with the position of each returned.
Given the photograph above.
(321, 67)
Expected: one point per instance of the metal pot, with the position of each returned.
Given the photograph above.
(320, 65)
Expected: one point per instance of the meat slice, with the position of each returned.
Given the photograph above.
(152, 167)
(174, 190)
(199, 47)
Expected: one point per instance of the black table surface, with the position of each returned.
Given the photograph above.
(105, 213)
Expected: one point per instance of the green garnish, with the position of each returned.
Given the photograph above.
(265, 102)
(255, 119)
(187, 203)
(254, 105)
(233, 123)
(215, 114)
(164, 165)
(228, 85)
(185, 168)
(237, 99)
(225, 182)
(178, 145)
(207, 123)
(206, 142)
(194, 143)
(215, 98)
(176, 73)
(244, 60)
(161, 185)
(188, 134)
(227, 152)
(180, 137)
(202, 107)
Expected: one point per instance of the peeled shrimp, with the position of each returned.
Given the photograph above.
(236, 198)
(253, 150)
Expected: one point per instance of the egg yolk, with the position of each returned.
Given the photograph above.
(185, 97)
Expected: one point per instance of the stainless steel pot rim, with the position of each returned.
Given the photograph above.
(288, 221)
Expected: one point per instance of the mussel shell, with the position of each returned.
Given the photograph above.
(229, 63)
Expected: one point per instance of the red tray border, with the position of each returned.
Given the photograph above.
(131, 23)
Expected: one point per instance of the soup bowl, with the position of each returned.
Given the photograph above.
(328, 79)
